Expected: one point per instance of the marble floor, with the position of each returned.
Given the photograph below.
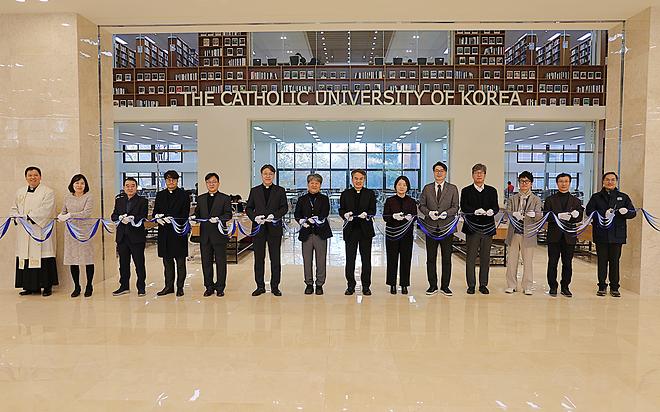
(379, 353)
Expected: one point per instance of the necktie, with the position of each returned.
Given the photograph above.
(438, 194)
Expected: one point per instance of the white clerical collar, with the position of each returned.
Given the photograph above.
(171, 191)
(267, 187)
(479, 188)
(212, 194)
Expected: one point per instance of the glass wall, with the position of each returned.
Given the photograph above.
(549, 148)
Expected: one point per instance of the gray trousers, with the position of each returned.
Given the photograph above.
(477, 244)
(516, 248)
(314, 244)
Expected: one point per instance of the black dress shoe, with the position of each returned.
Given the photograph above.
(258, 291)
(404, 290)
(393, 290)
(142, 293)
(47, 292)
(179, 292)
(25, 292)
(76, 292)
(120, 292)
(432, 290)
(220, 293)
(309, 289)
(165, 291)
(446, 292)
(553, 293)
(89, 289)
(319, 290)
(366, 292)
(615, 293)
(276, 292)
(349, 291)
(208, 292)
(483, 290)
(566, 292)
(470, 291)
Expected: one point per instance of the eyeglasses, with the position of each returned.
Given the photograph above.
(524, 181)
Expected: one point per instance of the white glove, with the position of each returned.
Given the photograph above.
(564, 216)
(623, 211)
(313, 220)
(517, 215)
(398, 216)
(305, 224)
(443, 215)
(168, 219)
(408, 217)
(260, 219)
(480, 212)
(160, 221)
(348, 216)
(192, 218)
(126, 219)
(302, 221)
(63, 217)
(434, 215)
(363, 215)
(270, 218)
(575, 214)
(121, 217)
(609, 213)
(214, 220)
(531, 213)
(490, 212)
(159, 216)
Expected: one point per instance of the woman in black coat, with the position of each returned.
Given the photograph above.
(398, 211)
(172, 202)
(610, 203)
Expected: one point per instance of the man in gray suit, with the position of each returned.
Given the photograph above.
(525, 208)
(439, 205)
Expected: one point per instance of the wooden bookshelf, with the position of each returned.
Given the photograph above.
(223, 49)
(479, 47)
(581, 54)
(124, 57)
(522, 52)
(148, 54)
(181, 54)
(555, 52)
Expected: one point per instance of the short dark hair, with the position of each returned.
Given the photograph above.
(560, 175)
(267, 166)
(526, 175)
(76, 178)
(441, 164)
(130, 179)
(210, 175)
(610, 173)
(479, 166)
(405, 179)
(171, 174)
(32, 168)
(360, 171)
(314, 176)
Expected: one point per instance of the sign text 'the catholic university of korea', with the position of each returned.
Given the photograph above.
(345, 97)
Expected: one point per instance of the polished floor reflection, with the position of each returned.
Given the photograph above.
(382, 353)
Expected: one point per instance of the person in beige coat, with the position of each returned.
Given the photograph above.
(526, 208)
(78, 205)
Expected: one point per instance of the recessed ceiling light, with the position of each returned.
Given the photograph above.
(266, 133)
(533, 137)
(577, 137)
(155, 129)
(187, 137)
(518, 140)
(161, 140)
(550, 133)
(407, 132)
(414, 128)
(146, 137)
(173, 133)
(122, 141)
(309, 128)
(127, 134)
(141, 125)
(558, 140)
(570, 129)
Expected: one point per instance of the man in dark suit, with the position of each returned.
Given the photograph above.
(130, 208)
(479, 203)
(312, 210)
(611, 204)
(439, 205)
(568, 209)
(266, 206)
(357, 206)
(216, 207)
(172, 203)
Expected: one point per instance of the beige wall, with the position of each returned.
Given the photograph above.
(49, 111)
(477, 133)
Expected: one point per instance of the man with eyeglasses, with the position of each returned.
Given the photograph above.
(524, 210)
(611, 204)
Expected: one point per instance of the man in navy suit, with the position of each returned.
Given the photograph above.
(266, 206)
(130, 208)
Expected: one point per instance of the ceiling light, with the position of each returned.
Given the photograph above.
(146, 137)
(585, 37)
(258, 128)
(266, 133)
(577, 137)
(570, 129)
(141, 125)
(517, 141)
(414, 128)
(127, 134)
(122, 141)
(312, 132)
(554, 36)
(362, 127)
(533, 137)
(173, 133)
(20, 1)
(407, 132)
(187, 137)
(155, 129)
(309, 128)
(160, 140)
(531, 124)
(549, 133)
(558, 140)
(516, 129)
(507, 142)
(66, 25)
(175, 127)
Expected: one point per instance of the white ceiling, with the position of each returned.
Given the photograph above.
(555, 133)
(135, 133)
(150, 12)
(347, 132)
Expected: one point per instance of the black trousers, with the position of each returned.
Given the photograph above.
(432, 257)
(168, 265)
(128, 251)
(214, 252)
(399, 253)
(478, 244)
(565, 251)
(352, 246)
(608, 254)
(75, 274)
(274, 250)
